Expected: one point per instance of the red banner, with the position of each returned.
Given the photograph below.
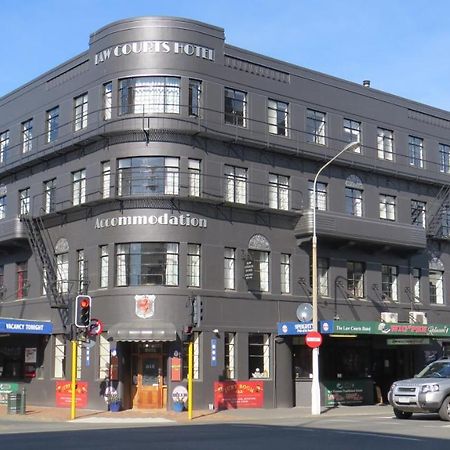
(175, 369)
(238, 394)
(64, 394)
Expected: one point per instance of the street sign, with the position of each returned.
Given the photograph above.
(313, 339)
(95, 327)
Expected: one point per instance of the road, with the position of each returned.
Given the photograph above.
(336, 433)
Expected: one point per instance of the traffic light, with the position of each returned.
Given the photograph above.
(83, 311)
(197, 311)
(186, 333)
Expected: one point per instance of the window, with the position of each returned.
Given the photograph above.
(59, 369)
(81, 270)
(323, 266)
(436, 278)
(52, 124)
(321, 195)
(315, 127)
(27, 136)
(230, 356)
(416, 275)
(278, 191)
(418, 213)
(2, 207)
(107, 101)
(194, 177)
(81, 112)
(148, 263)
(278, 117)
(4, 146)
(261, 268)
(78, 187)
(49, 195)
(195, 97)
(387, 207)
(389, 280)
(352, 132)
(106, 179)
(285, 272)
(235, 107)
(353, 202)
(193, 265)
(22, 279)
(104, 266)
(24, 201)
(235, 184)
(444, 152)
(148, 95)
(445, 221)
(259, 355)
(103, 358)
(385, 144)
(2, 281)
(355, 279)
(229, 275)
(415, 152)
(62, 273)
(148, 175)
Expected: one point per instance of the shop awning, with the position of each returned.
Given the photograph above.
(154, 330)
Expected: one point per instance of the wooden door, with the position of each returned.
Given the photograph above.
(148, 387)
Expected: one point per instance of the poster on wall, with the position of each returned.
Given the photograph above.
(64, 394)
(238, 394)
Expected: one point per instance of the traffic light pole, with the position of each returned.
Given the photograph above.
(73, 386)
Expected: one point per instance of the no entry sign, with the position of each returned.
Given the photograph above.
(313, 339)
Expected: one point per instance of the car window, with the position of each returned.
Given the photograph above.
(438, 369)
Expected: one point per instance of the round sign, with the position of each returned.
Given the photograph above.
(96, 327)
(313, 339)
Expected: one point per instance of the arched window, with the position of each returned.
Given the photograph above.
(259, 254)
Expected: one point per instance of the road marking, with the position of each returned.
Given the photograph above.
(368, 434)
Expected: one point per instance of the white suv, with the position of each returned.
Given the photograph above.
(429, 391)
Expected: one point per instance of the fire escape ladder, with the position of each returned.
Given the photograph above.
(437, 212)
(44, 252)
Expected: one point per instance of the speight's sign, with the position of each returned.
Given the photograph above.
(181, 220)
(155, 47)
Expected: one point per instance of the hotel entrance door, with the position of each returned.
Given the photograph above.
(148, 381)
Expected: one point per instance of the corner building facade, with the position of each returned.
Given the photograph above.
(169, 175)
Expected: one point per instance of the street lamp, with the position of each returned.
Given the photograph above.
(315, 388)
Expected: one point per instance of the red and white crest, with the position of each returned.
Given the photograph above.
(145, 305)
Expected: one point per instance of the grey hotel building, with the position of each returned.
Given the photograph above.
(162, 169)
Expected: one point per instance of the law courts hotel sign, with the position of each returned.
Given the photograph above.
(155, 47)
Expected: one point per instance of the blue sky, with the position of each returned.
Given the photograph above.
(402, 46)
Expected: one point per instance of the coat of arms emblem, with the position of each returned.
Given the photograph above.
(145, 305)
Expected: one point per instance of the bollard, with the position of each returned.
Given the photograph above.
(23, 403)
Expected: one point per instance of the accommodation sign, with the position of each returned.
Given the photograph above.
(178, 220)
(390, 329)
(155, 47)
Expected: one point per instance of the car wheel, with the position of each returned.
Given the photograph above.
(444, 410)
(402, 414)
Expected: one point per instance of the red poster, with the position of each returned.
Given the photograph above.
(238, 394)
(64, 394)
(176, 368)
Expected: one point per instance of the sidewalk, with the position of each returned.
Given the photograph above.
(53, 414)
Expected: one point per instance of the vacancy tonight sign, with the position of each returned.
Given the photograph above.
(20, 326)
